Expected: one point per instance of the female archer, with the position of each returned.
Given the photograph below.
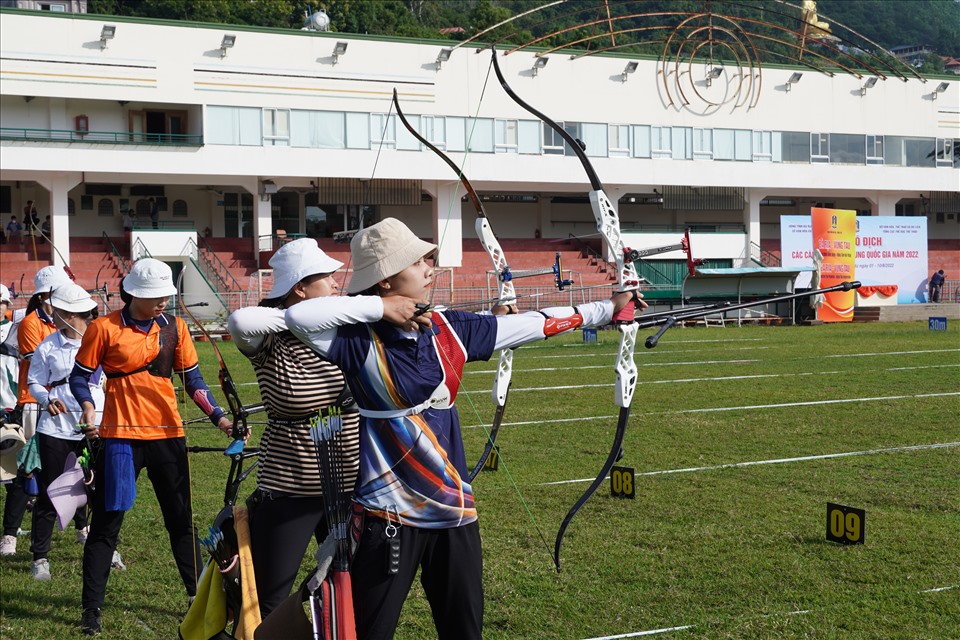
(405, 369)
(297, 387)
(139, 347)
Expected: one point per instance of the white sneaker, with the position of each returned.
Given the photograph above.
(8, 545)
(40, 570)
(117, 562)
(82, 535)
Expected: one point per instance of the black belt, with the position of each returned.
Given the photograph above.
(59, 382)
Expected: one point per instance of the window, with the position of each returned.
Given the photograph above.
(703, 144)
(383, 131)
(508, 136)
(529, 136)
(682, 143)
(618, 140)
(358, 131)
(233, 126)
(143, 208)
(743, 145)
(874, 149)
(553, 143)
(946, 154)
(660, 142)
(434, 129)
(819, 147)
(317, 129)
(276, 127)
(595, 138)
(641, 141)
(406, 140)
(179, 209)
(847, 149)
(795, 146)
(55, 7)
(762, 146)
(105, 207)
(480, 135)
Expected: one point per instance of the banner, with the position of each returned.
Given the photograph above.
(834, 246)
(891, 250)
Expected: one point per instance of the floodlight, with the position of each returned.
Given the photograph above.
(794, 79)
(627, 70)
(713, 74)
(228, 41)
(869, 84)
(943, 86)
(107, 33)
(443, 56)
(540, 63)
(339, 50)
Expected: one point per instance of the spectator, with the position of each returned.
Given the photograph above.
(31, 219)
(154, 213)
(936, 284)
(15, 231)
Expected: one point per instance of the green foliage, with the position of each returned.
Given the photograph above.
(736, 551)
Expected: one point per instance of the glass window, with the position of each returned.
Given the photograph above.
(529, 136)
(406, 141)
(682, 143)
(762, 146)
(553, 143)
(618, 141)
(847, 149)
(433, 129)
(480, 135)
(573, 130)
(743, 145)
(724, 144)
(383, 131)
(893, 151)
(795, 146)
(641, 141)
(874, 149)
(276, 127)
(317, 129)
(702, 144)
(508, 138)
(456, 134)
(919, 152)
(819, 147)
(233, 126)
(946, 153)
(179, 209)
(105, 207)
(660, 142)
(358, 130)
(595, 137)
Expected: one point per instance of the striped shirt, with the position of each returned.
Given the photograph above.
(295, 382)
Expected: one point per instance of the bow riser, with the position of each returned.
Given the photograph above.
(608, 224)
(626, 367)
(507, 295)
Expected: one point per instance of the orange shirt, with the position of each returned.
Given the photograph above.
(32, 330)
(135, 402)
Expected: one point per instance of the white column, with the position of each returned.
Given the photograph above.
(448, 223)
(262, 216)
(58, 187)
(884, 203)
(751, 220)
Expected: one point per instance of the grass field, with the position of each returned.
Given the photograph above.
(739, 438)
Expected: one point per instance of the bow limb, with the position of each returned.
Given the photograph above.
(608, 225)
(505, 289)
(238, 412)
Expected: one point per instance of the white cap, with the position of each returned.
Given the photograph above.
(49, 278)
(149, 278)
(295, 261)
(5, 294)
(72, 297)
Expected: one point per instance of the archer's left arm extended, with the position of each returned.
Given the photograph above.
(187, 366)
(516, 330)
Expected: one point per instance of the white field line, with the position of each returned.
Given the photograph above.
(717, 379)
(607, 366)
(579, 345)
(642, 354)
(732, 465)
(886, 353)
(937, 589)
(758, 406)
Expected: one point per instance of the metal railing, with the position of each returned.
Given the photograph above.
(101, 137)
(763, 257)
(215, 266)
(123, 264)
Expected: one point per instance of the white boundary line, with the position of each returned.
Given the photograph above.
(731, 465)
(938, 589)
(607, 366)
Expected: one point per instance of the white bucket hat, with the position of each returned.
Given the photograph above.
(49, 278)
(72, 297)
(11, 441)
(295, 261)
(5, 294)
(149, 278)
(383, 250)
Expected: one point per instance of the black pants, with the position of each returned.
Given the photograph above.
(14, 506)
(280, 530)
(451, 565)
(53, 455)
(166, 465)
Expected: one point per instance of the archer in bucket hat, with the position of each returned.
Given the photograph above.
(58, 436)
(139, 347)
(36, 324)
(297, 386)
(414, 477)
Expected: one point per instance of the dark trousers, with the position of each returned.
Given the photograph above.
(166, 465)
(451, 565)
(53, 455)
(15, 506)
(280, 530)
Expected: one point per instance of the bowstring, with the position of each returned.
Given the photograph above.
(456, 200)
